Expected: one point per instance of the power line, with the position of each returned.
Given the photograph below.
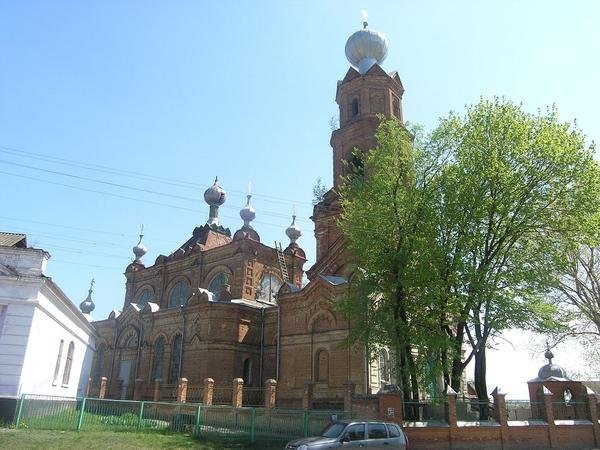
(111, 194)
(139, 175)
(124, 186)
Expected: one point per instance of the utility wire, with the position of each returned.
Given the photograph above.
(111, 194)
(124, 186)
(139, 175)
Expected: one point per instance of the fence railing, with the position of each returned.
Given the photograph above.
(470, 410)
(82, 414)
(222, 395)
(253, 396)
(425, 410)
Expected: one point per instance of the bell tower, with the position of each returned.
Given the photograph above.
(365, 94)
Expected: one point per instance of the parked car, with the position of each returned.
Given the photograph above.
(347, 434)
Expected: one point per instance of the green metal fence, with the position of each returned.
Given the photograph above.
(82, 414)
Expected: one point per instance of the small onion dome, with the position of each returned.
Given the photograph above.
(550, 369)
(248, 213)
(293, 231)
(366, 48)
(87, 306)
(215, 195)
(140, 249)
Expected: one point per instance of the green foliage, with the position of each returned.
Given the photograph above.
(319, 191)
(461, 235)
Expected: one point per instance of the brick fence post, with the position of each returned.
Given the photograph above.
(391, 407)
(592, 404)
(236, 392)
(451, 417)
(549, 416)
(500, 413)
(349, 388)
(270, 393)
(138, 388)
(156, 391)
(102, 390)
(307, 394)
(207, 393)
(182, 390)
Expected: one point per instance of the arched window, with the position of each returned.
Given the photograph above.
(159, 351)
(355, 108)
(144, 297)
(68, 364)
(247, 372)
(179, 294)
(58, 358)
(322, 366)
(268, 288)
(176, 359)
(567, 396)
(132, 341)
(216, 284)
(99, 363)
(384, 367)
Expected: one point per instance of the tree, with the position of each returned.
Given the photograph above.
(579, 289)
(460, 236)
(388, 221)
(515, 196)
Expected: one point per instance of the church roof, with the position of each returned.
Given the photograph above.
(208, 238)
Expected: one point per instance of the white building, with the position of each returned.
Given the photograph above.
(46, 343)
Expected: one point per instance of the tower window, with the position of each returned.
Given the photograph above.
(355, 107)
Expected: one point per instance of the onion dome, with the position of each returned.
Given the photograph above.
(293, 231)
(551, 370)
(87, 306)
(140, 249)
(248, 213)
(215, 197)
(366, 48)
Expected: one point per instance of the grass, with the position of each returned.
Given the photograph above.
(11, 438)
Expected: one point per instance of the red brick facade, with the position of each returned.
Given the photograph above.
(301, 339)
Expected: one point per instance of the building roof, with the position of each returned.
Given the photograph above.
(13, 239)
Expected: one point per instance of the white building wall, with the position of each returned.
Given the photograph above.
(17, 297)
(37, 315)
(50, 326)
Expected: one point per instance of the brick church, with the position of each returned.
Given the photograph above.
(228, 306)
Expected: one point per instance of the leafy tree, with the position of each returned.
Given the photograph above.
(388, 219)
(516, 193)
(461, 235)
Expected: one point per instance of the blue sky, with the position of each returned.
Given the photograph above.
(186, 90)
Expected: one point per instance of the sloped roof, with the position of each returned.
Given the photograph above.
(13, 239)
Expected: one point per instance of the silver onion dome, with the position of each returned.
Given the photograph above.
(293, 231)
(215, 197)
(140, 249)
(248, 213)
(366, 48)
(87, 306)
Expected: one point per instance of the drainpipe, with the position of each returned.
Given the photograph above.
(278, 340)
(182, 341)
(262, 345)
